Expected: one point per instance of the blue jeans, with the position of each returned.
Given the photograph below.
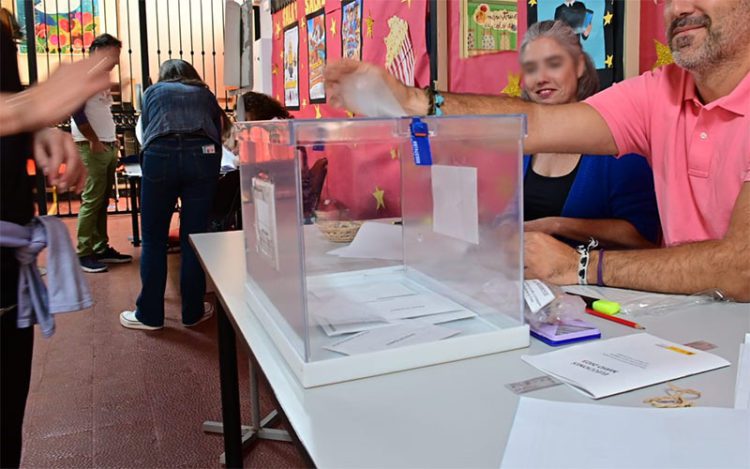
(175, 166)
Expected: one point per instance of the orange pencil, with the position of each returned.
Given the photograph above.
(609, 317)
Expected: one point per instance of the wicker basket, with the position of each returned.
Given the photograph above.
(339, 231)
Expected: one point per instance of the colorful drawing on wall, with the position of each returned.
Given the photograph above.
(351, 29)
(488, 26)
(291, 66)
(585, 17)
(399, 58)
(62, 27)
(316, 55)
(600, 26)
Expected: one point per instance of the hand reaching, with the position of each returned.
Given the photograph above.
(52, 149)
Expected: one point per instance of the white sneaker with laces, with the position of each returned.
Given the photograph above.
(128, 319)
(208, 313)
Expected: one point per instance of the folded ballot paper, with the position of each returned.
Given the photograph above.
(607, 367)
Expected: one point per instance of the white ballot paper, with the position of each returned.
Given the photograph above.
(607, 367)
(389, 337)
(455, 210)
(565, 435)
(375, 240)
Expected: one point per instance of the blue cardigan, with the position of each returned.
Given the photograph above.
(608, 187)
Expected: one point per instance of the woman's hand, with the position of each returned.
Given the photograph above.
(54, 148)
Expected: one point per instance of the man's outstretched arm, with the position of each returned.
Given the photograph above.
(722, 264)
(565, 128)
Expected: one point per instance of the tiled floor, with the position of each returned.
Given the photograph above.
(105, 396)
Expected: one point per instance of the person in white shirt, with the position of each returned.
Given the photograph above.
(93, 129)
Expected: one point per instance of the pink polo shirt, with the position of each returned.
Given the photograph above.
(700, 155)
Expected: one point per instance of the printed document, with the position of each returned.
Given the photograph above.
(564, 435)
(607, 367)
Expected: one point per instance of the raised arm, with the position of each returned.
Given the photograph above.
(568, 128)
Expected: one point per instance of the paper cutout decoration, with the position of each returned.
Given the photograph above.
(608, 18)
(608, 61)
(399, 57)
(370, 23)
(351, 29)
(333, 26)
(316, 55)
(663, 54)
(379, 195)
(513, 88)
(488, 26)
(291, 67)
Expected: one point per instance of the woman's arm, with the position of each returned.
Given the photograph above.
(611, 233)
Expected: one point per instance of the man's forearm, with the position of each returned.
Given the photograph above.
(688, 268)
(13, 118)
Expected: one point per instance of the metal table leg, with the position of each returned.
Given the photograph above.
(230, 392)
(134, 182)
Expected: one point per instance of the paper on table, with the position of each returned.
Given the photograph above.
(742, 385)
(389, 337)
(442, 318)
(422, 304)
(364, 292)
(567, 435)
(455, 210)
(607, 367)
(375, 240)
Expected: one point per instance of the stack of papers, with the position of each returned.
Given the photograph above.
(565, 435)
(742, 385)
(607, 367)
(375, 240)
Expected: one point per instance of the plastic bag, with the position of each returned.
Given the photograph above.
(657, 304)
(548, 304)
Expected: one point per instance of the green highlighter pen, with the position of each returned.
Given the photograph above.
(601, 306)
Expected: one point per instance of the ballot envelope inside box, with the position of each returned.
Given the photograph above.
(372, 263)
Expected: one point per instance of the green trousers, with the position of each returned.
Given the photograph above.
(92, 218)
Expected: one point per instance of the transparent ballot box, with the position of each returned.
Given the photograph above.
(379, 245)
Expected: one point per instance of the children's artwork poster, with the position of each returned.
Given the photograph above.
(399, 56)
(351, 29)
(488, 26)
(65, 27)
(316, 55)
(595, 22)
(291, 66)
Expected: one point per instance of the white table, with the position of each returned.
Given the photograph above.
(450, 415)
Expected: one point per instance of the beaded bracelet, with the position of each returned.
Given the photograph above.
(583, 260)
(435, 101)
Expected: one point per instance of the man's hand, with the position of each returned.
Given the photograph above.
(550, 260)
(412, 100)
(55, 99)
(97, 147)
(53, 148)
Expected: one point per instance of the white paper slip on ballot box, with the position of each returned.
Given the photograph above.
(444, 285)
(608, 367)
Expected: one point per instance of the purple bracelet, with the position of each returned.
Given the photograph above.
(599, 279)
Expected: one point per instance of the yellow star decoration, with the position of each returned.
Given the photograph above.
(513, 88)
(532, 3)
(663, 54)
(302, 23)
(304, 102)
(379, 195)
(281, 54)
(277, 98)
(333, 27)
(278, 30)
(349, 114)
(408, 2)
(275, 69)
(370, 22)
(608, 18)
(608, 61)
(394, 153)
(318, 115)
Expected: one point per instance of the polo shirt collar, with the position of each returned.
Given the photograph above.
(735, 102)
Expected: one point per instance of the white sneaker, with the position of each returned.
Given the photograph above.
(128, 319)
(208, 313)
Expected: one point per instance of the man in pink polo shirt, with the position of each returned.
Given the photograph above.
(691, 120)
